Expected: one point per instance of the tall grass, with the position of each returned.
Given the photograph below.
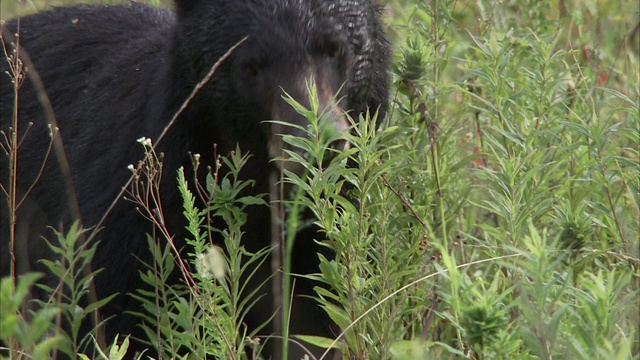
(493, 215)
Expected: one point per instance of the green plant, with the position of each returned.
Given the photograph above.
(26, 337)
(71, 295)
(504, 186)
(42, 328)
(492, 215)
(206, 316)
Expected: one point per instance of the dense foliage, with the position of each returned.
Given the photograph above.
(493, 215)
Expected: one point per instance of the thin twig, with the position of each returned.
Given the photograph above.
(403, 199)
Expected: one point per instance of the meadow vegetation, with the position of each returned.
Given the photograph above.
(493, 215)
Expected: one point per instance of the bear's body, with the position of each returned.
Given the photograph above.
(114, 74)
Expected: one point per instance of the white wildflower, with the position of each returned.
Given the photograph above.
(145, 141)
(212, 263)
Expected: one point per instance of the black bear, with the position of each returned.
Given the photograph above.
(113, 74)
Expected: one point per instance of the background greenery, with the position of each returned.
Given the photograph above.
(498, 206)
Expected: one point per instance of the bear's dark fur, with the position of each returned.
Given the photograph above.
(114, 74)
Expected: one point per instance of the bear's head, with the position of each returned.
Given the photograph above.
(337, 44)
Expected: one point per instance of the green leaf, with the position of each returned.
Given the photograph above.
(319, 341)
(43, 349)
